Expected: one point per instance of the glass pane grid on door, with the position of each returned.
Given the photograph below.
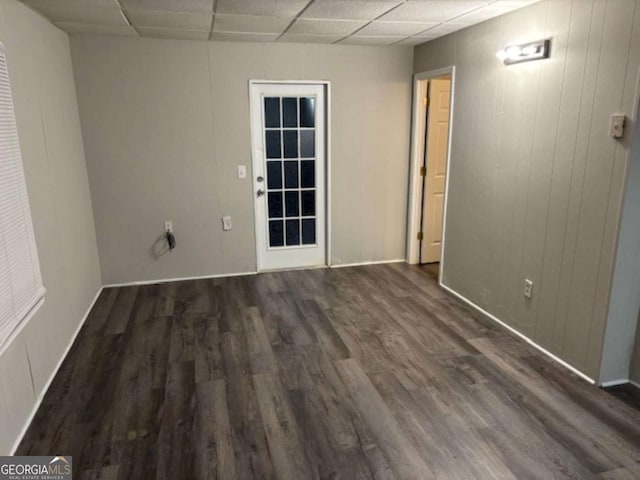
(289, 129)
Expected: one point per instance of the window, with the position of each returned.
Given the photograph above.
(20, 279)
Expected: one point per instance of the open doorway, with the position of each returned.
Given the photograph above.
(432, 112)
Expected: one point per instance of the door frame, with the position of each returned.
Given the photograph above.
(418, 126)
(326, 84)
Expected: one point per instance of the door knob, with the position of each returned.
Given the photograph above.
(260, 193)
(260, 179)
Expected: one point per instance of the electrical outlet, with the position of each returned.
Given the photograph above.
(168, 226)
(242, 171)
(616, 125)
(226, 223)
(528, 288)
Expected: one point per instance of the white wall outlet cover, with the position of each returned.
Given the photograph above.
(616, 126)
(242, 171)
(226, 223)
(528, 288)
(168, 226)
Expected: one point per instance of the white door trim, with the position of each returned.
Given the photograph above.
(417, 129)
(418, 126)
(328, 217)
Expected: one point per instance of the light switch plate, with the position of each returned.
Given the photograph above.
(226, 223)
(242, 171)
(168, 226)
(528, 288)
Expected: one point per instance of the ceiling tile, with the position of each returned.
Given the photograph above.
(445, 29)
(485, 13)
(202, 6)
(325, 27)
(348, 9)
(514, 3)
(157, 32)
(303, 38)
(180, 20)
(472, 3)
(373, 39)
(72, 3)
(430, 11)
(84, 28)
(405, 22)
(244, 37)
(395, 28)
(250, 24)
(77, 14)
(415, 40)
(271, 8)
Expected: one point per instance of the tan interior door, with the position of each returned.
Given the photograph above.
(436, 164)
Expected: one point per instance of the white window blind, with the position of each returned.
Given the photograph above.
(20, 279)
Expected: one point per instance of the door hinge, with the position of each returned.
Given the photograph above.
(426, 101)
(420, 235)
(423, 171)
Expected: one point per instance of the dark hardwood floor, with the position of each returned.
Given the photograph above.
(353, 373)
(627, 393)
(432, 269)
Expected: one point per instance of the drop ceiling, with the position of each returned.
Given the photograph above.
(362, 22)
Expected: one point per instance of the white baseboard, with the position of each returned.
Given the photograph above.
(53, 374)
(360, 264)
(292, 269)
(241, 274)
(177, 279)
(517, 333)
(615, 383)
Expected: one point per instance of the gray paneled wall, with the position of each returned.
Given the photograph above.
(624, 305)
(535, 181)
(166, 123)
(634, 373)
(47, 117)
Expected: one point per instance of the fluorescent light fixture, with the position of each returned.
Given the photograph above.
(525, 52)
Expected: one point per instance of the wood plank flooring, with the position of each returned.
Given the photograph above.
(342, 374)
(627, 393)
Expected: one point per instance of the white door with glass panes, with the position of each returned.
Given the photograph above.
(288, 147)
